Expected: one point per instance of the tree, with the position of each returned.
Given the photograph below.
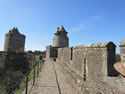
(117, 57)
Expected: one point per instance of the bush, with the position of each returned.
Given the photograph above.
(117, 58)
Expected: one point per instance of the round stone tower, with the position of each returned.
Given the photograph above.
(60, 39)
(14, 41)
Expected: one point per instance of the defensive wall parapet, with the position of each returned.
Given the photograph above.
(90, 67)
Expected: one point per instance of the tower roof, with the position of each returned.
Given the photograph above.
(14, 30)
(61, 29)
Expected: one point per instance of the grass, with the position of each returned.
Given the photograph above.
(22, 86)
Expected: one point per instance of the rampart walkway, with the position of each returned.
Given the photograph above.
(51, 80)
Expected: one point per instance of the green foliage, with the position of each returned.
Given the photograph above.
(36, 52)
(117, 58)
(17, 62)
(30, 76)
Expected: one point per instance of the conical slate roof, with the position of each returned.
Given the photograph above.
(14, 30)
(62, 29)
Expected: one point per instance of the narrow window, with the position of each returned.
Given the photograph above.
(84, 74)
(71, 53)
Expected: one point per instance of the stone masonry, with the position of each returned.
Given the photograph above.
(122, 50)
(14, 41)
(60, 39)
(90, 67)
(51, 52)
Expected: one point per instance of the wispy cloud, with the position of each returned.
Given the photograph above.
(78, 28)
(91, 20)
(94, 19)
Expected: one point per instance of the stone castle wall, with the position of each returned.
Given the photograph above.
(101, 56)
(122, 50)
(90, 67)
(51, 52)
(60, 41)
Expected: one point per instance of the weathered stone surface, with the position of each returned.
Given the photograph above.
(122, 43)
(122, 50)
(99, 55)
(97, 45)
(14, 41)
(93, 86)
(51, 52)
(89, 66)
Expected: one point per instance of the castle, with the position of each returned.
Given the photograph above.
(60, 40)
(14, 41)
(88, 66)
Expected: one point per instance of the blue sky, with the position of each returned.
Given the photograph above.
(87, 21)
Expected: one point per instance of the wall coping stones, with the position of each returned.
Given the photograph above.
(122, 43)
(96, 45)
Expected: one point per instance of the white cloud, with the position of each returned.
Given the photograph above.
(78, 28)
(91, 20)
(94, 19)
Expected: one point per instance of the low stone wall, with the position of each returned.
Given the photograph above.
(89, 65)
(116, 82)
(95, 59)
(87, 87)
(51, 52)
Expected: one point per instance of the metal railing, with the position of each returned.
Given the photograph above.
(35, 70)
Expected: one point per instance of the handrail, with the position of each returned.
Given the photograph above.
(11, 91)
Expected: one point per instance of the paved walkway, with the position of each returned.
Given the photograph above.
(52, 81)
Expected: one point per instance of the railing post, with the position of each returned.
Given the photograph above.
(34, 77)
(40, 65)
(38, 70)
(27, 84)
(9, 87)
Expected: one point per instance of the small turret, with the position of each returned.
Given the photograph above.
(60, 39)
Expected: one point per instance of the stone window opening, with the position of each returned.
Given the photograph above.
(84, 70)
(71, 53)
